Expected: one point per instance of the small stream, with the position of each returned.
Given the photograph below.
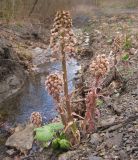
(34, 96)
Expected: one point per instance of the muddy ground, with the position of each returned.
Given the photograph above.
(115, 135)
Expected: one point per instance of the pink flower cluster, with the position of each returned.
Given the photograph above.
(62, 33)
(99, 66)
(117, 43)
(36, 119)
(54, 85)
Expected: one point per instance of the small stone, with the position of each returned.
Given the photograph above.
(133, 51)
(95, 139)
(123, 155)
(128, 148)
(136, 109)
(11, 152)
(130, 129)
(127, 141)
(68, 155)
(107, 121)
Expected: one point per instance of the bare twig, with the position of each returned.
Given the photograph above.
(34, 5)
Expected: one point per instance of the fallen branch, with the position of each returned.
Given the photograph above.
(117, 125)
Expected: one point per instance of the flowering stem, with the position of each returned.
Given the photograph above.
(67, 98)
(62, 114)
(64, 68)
(97, 79)
(90, 113)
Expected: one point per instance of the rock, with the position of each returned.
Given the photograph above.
(95, 139)
(11, 152)
(13, 81)
(107, 121)
(12, 76)
(128, 148)
(133, 51)
(91, 157)
(123, 155)
(68, 155)
(22, 140)
(136, 109)
(19, 127)
(3, 87)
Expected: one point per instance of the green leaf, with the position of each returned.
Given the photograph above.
(125, 57)
(55, 143)
(62, 136)
(47, 132)
(55, 126)
(64, 144)
(44, 134)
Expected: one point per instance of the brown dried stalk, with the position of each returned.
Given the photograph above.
(117, 46)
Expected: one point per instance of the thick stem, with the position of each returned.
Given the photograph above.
(90, 113)
(64, 68)
(63, 115)
(97, 79)
(66, 94)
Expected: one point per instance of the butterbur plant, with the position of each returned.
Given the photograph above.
(99, 67)
(54, 86)
(62, 42)
(36, 119)
(120, 44)
(62, 38)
